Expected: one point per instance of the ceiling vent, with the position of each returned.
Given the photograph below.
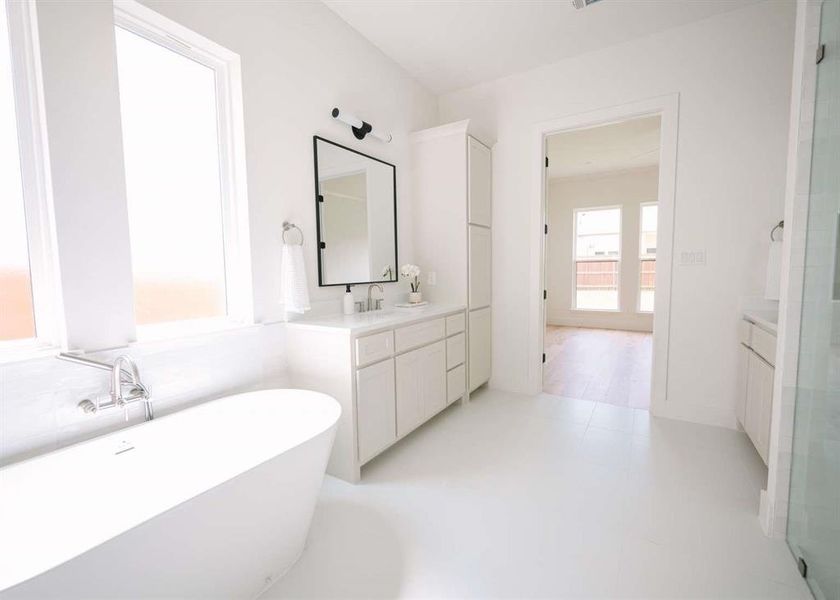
(582, 3)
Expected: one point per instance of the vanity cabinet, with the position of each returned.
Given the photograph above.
(453, 235)
(390, 371)
(421, 386)
(754, 402)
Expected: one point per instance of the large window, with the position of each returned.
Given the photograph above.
(17, 314)
(182, 203)
(647, 257)
(597, 253)
(27, 291)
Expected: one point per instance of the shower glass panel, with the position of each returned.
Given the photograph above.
(814, 517)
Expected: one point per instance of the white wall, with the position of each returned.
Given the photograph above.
(628, 189)
(298, 61)
(732, 73)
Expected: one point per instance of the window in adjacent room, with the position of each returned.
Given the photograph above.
(647, 257)
(597, 253)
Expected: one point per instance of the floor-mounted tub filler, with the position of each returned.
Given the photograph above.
(214, 501)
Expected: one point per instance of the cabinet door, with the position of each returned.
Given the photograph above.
(376, 408)
(481, 266)
(766, 377)
(759, 403)
(409, 371)
(480, 180)
(434, 379)
(741, 391)
(480, 349)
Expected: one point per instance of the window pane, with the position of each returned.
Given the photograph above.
(598, 233)
(170, 141)
(647, 252)
(647, 284)
(647, 244)
(17, 317)
(596, 284)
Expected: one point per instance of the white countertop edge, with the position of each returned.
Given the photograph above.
(760, 318)
(388, 318)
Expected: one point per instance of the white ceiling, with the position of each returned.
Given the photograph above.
(597, 150)
(451, 44)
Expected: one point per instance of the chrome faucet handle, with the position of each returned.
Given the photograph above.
(378, 304)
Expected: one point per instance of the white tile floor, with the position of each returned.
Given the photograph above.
(545, 497)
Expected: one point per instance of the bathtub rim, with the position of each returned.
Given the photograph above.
(330, 428)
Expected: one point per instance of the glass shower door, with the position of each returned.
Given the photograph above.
(814, 517)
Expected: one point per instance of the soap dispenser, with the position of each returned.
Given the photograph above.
(348, 302)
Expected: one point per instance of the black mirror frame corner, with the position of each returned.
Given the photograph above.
(320, 242)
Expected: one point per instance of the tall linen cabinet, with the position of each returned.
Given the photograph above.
(452, 227)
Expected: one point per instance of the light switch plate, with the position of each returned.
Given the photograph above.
(431, 278)
(693, 258)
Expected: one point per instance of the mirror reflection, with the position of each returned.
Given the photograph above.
(356, 209)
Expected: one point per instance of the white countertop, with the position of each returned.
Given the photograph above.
(764, 318)
(386, 318)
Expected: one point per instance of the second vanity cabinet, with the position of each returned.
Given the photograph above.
(754, 403)
(390, 372)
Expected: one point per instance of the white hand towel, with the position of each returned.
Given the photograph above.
(293, 279)
(774, 271)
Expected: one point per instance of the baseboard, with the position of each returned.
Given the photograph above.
(601, 322)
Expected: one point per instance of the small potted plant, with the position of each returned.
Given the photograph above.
(412, 273)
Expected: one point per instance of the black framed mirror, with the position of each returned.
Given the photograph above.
(356, 216)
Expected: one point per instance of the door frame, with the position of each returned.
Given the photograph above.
(667, 107)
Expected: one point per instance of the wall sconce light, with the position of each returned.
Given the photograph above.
(360, 128)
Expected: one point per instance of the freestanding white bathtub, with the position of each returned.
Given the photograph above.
(214, 501)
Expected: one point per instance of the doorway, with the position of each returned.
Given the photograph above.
(649, 347)
(601, 207)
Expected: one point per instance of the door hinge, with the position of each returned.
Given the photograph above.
(803, 566)
(543, 356)
(320, 198)
(322, 245)
(545, 294)
(820, 53)
(546, 162)
(546, 228)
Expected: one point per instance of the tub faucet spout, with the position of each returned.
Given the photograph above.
(137, 391)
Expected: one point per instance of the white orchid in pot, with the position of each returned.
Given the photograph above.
(412, 273)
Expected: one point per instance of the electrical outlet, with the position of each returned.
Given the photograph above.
(693, 258)
(431, 278)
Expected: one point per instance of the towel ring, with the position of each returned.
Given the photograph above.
(781, 226)
(287, 226)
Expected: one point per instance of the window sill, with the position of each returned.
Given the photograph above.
(13, 352)
(596, 310)
(184, 330)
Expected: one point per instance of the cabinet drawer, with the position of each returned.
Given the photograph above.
(419, 334)
(456, 383)
(764, 344)
(455, 350)
(372, 348)
(455, 324)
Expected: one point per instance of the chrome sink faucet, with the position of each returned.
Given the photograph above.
(120, 377)
(374, 304)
